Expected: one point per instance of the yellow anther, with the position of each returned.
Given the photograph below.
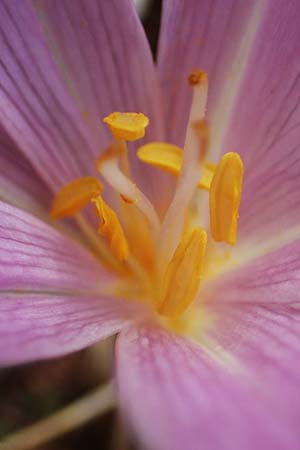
(224, 199)
(74, 196)
(162, 155)
(127, 126)
(111, 228)
(182, 278)
(169, 158)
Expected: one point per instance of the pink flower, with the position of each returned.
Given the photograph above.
(229, 377)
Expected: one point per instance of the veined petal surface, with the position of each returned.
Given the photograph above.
(265, 127)
(36, 110)
(270, 279)
(177, 395)
(255, 314)
(103, 55)
(101, 51)
(34, 256)
(20, 185)
(210, 35)
(36, 326)
(50, 297)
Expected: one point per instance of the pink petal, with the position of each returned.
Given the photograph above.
(178, 395)
(265, 126)
(265, 339)
(256, 319)
(19, 183)
(104, 57)
(102, 51)
(41, 325)
(36, 110)
(270, 279)
(34, 256)
(50, 296)
(197, 34)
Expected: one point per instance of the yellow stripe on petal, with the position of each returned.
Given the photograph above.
(127, 126)
(224, 199)
(111, 229)
(169, 158)
(74, 196)
(182, 278)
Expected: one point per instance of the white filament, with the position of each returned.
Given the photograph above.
(188, 179)
(112, 173)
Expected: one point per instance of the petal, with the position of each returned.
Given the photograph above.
(38, 325)
(207, 35)
(19, 183)
(272, 278)
(34, 256)
(101, 51)
(178, 395)
(255, 316)
(36, 110)
(50, 292)
(265, 339)
(103, 55)
(265, 126)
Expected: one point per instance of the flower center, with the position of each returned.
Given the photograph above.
(159, 262)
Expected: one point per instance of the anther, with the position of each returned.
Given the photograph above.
(169, 157)
(74, 196)
(109, 168)
(183, 275)
(111, 229)
(127, 126)
(224, 199)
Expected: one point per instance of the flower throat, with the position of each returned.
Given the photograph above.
(158, 261)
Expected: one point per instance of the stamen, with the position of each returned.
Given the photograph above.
(109, 168)
(168, 157)
(100, 246)
(162, 155)
(224, 199)
(190, 172)
(138, 233)
(74, 196)
(198, 80)
(183, 274)
(127, 126)
(111, 228)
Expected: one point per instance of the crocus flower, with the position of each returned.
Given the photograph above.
(214, 370)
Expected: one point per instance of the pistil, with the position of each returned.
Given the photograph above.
(189, 175)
